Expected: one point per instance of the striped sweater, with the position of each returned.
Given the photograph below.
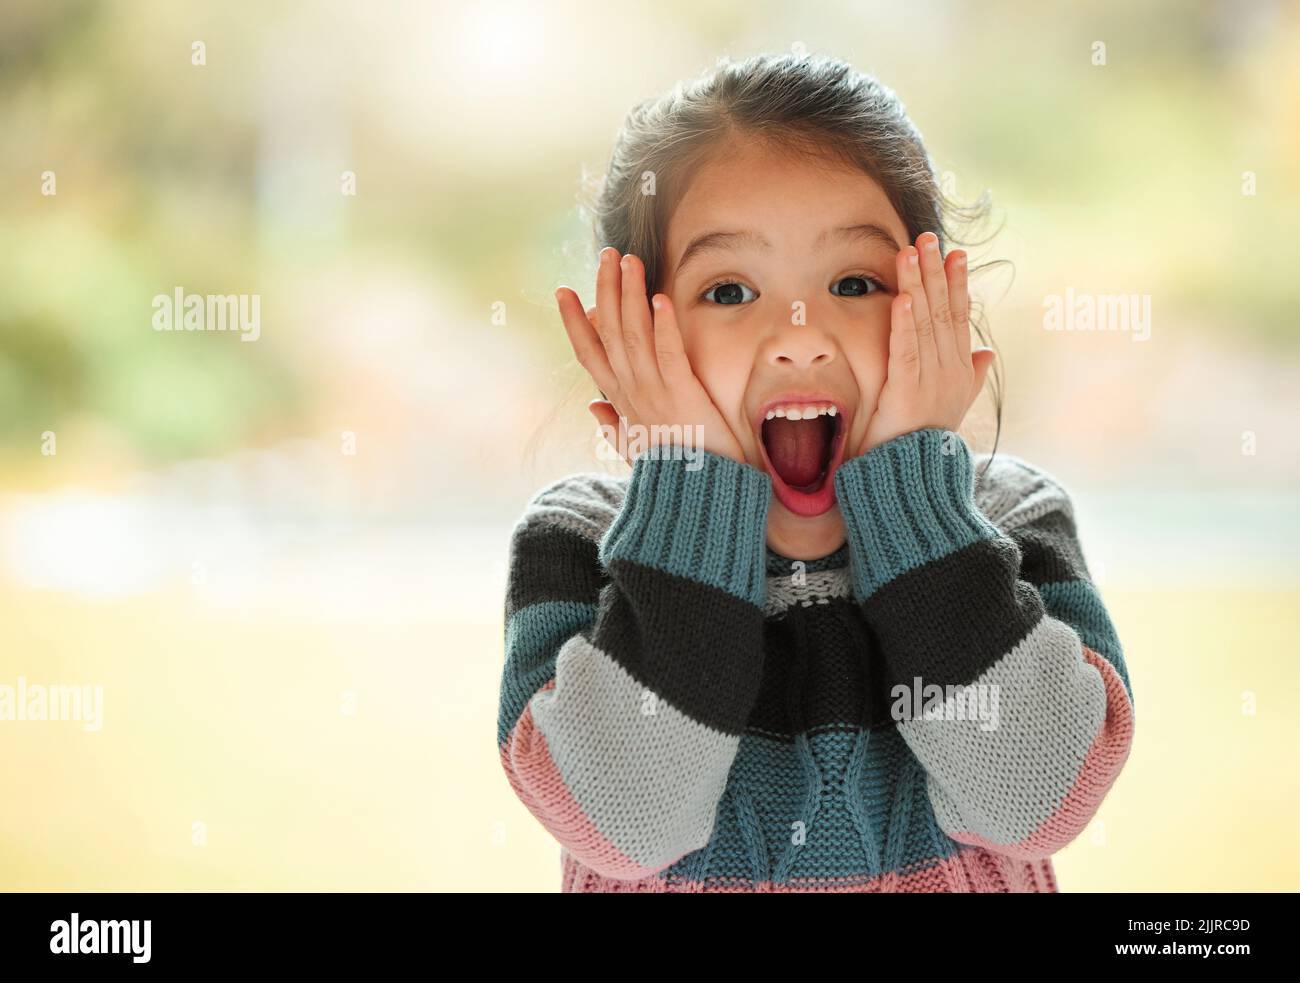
(686, 710)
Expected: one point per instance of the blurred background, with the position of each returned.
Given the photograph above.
(284, 561)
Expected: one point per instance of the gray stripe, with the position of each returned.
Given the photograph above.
(648, 777)
(818, 588)
(1015, 492)
(583, 503)
(1005, 782)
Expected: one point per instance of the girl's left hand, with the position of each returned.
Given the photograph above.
(933, 377)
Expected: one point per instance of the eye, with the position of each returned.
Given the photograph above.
(729, 292)
(859, 286)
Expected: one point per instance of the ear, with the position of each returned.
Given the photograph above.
(604, 412)
(982, 360)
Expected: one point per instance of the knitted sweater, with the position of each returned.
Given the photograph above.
(686, 710)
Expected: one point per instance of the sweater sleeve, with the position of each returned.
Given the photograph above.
(1034, 718)
(633, 657)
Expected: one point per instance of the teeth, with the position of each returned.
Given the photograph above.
(795, 411)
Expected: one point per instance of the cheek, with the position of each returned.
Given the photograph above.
(868, 356)
(715, 360)
(721, 364)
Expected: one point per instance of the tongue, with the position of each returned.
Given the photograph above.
(798, 449)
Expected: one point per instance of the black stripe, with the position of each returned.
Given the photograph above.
(696, 646)
(552, 564)
(1050, 550)
(947, 621)
(843, 687)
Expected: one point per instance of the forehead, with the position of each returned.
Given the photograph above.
(787, 198)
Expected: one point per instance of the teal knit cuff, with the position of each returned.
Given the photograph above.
(906, 502)
(708, 524)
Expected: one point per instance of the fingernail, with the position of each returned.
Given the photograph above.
(907, 303)
(912, 257)
(658, 304)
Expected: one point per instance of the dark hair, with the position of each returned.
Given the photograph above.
(811, 105)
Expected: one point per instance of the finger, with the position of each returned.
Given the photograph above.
(638, 336)
(670, 351)
(959, 303)
(677, 374)
(936, 297)
(910, 282)
(904, 352)
(586, 343)
(612, 424)
(609, 303)
(593, 318)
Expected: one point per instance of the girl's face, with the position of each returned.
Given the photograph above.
(782, 272)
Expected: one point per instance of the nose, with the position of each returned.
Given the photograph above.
(800, 346)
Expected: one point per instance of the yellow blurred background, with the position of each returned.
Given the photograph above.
(284, 561)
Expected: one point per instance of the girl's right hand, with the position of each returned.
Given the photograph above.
(640, 364)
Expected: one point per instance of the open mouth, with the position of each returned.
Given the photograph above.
(801, 456)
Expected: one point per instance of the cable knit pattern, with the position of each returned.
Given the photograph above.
(686, 710)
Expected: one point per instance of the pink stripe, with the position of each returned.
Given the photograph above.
(970, 871)
(1100, 768)
(537, 781)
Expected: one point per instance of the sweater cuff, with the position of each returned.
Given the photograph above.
(705, 519)
(906, 502)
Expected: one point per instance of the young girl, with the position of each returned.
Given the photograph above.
(812, 642)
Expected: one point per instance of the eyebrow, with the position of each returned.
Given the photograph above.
(709, 242)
